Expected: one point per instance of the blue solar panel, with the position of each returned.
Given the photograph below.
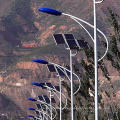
(46, 99)
(50, 85)
(69, 36)
(53, 100)
(40, 98)
(38, 106)
(51, 68)
(72, 44)
(60, 71)
(57, 88)
(82, 43)
(59, 38)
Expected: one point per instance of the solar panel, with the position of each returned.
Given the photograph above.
(37, 112)
(43, 86)
(42, 83)
(86, 45)
(57, 88)
(60, 71)
(51, 68)
(69, 36)
(72, 44)
(38, 106)
(53, 100)
(45, 96)
(40, 98)
(59, 38)
(50, 85)
(82, 43)
(46, 99)
(68, 73)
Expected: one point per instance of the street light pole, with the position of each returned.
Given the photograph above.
(72, 111)
(51, 105)
(60, 84)
(95, 61)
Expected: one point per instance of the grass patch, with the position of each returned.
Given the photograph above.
(50, 49)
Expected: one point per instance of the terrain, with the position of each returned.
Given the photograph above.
(26, 34)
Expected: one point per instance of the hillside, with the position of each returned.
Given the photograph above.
(26, 34)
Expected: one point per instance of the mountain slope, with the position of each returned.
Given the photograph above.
(26, 34)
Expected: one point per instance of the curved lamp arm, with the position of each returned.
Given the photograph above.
(34, 100)
(61, 68)
(44, 113)
(31, 116)
(54, 12)
(49, 106)
(68, 77)
(43, 110)
(71, 16)
(97, 2)
(83, 28)
(64, 97)
(40, 111)
(54, 91)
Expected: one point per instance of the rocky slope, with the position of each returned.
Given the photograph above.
(26, 34)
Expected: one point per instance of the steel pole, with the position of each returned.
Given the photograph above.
(47, 112)
(43, 116)
(71, 77)
(60, 99)
(51, 104)
(46, 108)
(43, 113)
(95, 61)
